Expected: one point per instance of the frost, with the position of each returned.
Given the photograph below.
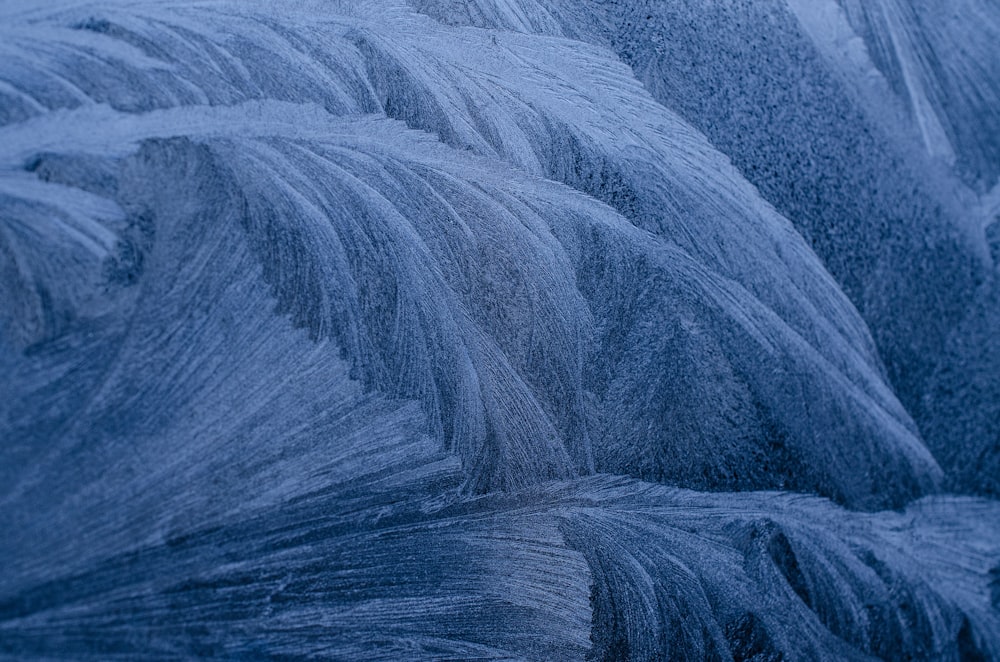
(348, 331)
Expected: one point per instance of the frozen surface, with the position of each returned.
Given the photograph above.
(388, 330)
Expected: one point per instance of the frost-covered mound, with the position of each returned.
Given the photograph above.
(376, 330)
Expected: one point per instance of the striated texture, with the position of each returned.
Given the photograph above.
(395, 330)
(873, 126)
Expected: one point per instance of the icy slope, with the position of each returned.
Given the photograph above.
(322, 321)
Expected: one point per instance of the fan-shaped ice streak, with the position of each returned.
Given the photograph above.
(937, 58)
(656, 172)
(316, 198)
(727, 573)
(207, 409)
(821, 127)
(433, 87)
(324, 217)
(432, 83)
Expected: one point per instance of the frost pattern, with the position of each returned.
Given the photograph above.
(347, 331)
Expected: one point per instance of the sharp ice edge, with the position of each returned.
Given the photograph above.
(289, 289)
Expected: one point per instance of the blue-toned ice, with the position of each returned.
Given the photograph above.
(500, 329)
